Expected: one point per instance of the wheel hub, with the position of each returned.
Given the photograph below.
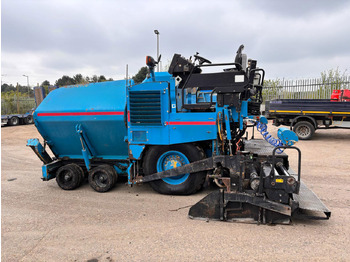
(171, 163)
(170, 160)
(67, 177)
(304, 131)
(101, 179)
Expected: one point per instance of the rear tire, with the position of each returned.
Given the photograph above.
(304, 130)
(81, 173)
(69, 177)
(29, 120)
(102, 178)
(13, 121)
(160, 158)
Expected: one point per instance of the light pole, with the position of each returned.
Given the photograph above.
(1, 78)
(27, 83)
(157, 33)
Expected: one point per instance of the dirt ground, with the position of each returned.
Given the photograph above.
(41, 222)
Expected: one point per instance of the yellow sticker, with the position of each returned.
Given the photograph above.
(279, 180)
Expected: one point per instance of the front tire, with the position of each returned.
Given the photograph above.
(161, 158)
(304, 130)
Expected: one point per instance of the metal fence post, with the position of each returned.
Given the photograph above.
(315, 88)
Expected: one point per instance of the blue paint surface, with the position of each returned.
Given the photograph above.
(287, 136)
(153, 118)
(104, 130)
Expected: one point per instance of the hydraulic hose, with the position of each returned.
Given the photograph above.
(262, 128)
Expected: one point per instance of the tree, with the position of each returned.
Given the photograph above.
(7, 88)
(272, 89)
(65, 81)
(332, 80)
(94, 79)
(13, 102)
(141, 75)
(102, 78)
(79, 79)
(46, 85)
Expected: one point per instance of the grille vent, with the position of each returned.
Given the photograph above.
(145, 108)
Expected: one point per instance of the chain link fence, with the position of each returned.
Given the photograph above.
(317, 88)
(16, 106)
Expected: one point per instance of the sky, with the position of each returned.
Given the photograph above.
(46, 39)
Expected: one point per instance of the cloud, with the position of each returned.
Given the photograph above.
(47, 39)
(297, 8)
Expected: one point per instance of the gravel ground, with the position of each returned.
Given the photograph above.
(41, 222)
